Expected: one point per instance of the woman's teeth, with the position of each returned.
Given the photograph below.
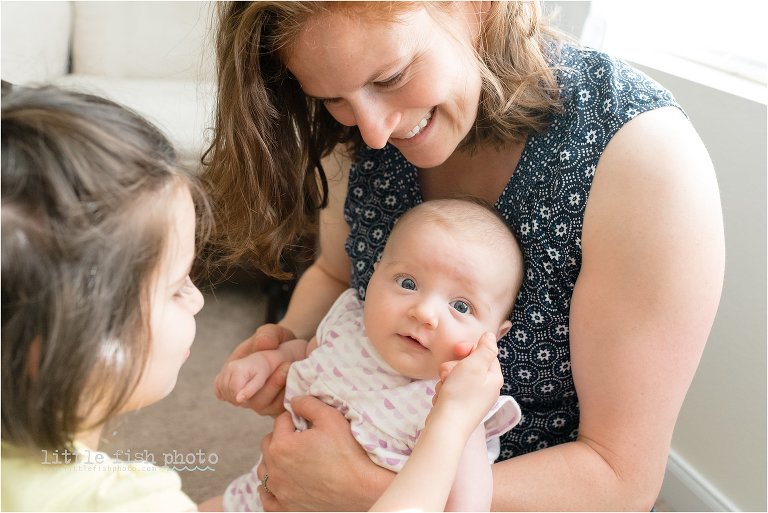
(415, 130)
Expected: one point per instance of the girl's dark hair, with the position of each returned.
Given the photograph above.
(263, 166)
(86, 186)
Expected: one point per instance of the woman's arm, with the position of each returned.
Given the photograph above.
(315, 291)
(329, 275)
(650, 283)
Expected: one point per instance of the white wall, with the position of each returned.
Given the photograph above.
(719, 445)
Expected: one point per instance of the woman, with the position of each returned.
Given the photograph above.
(594, 166)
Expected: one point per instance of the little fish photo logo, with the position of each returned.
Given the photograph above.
(199, 461)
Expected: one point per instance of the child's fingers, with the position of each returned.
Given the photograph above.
(462, 349)
(446, 368)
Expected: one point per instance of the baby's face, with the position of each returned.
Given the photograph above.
(431, 291)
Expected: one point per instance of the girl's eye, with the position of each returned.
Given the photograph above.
(407, 283)
(461, 306)
(391, 82)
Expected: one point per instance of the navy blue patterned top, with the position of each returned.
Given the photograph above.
(543, 203)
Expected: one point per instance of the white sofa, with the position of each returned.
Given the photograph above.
(155, 57)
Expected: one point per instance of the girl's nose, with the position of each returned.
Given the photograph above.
(195, 300)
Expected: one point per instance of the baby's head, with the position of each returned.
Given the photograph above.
(450, 271)
(98, 236)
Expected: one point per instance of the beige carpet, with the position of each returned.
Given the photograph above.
(191, 428)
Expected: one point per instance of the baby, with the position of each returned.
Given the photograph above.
(450, 272)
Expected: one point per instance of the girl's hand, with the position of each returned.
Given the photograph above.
(320, 469)
(269, 399)
(468, 388)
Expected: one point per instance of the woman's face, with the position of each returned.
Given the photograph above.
(412, 82)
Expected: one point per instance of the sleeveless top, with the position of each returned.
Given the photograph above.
(543, 204)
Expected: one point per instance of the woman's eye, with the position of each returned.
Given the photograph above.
(407, 283)
(461, 306)
(393, 81)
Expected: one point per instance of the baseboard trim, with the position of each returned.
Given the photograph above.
(684, 489)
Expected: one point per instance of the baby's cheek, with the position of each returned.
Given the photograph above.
(462, 349)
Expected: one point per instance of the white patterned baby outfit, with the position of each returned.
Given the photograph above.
(386, 410)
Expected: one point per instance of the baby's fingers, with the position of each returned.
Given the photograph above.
(251, 387)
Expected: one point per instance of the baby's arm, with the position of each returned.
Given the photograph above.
(473, 487)
(239, 379)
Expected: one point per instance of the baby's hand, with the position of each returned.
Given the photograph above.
(240, 379)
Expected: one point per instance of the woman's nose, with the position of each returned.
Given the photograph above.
(376, 121)
(424, 313)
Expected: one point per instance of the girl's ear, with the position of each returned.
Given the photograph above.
(503, 329)
(33, 359)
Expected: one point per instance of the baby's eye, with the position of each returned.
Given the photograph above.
(406, 283)
(461, 306)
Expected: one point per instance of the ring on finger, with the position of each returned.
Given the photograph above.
(264, 484)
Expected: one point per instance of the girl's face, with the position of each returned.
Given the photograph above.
(411, 82)
(174, 303)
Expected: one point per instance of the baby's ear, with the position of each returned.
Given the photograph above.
(503, 329)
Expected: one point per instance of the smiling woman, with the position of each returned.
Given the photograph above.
(591, 164)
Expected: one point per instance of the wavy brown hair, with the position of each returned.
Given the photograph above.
(263, 167)
(86, 186)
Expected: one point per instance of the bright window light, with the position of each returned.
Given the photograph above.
(729, 37)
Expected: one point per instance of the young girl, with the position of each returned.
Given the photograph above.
(438, 287)
(98, 310)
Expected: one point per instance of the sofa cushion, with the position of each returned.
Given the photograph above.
(182, 109)
(167, 40)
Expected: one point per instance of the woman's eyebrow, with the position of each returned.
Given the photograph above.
(372, 78)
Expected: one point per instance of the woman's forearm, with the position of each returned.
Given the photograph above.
(313, 296)
(571, 477)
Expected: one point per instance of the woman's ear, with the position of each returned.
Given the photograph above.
(503, 329)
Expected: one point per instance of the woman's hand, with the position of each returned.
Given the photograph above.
(322, 468)
(269, 399)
